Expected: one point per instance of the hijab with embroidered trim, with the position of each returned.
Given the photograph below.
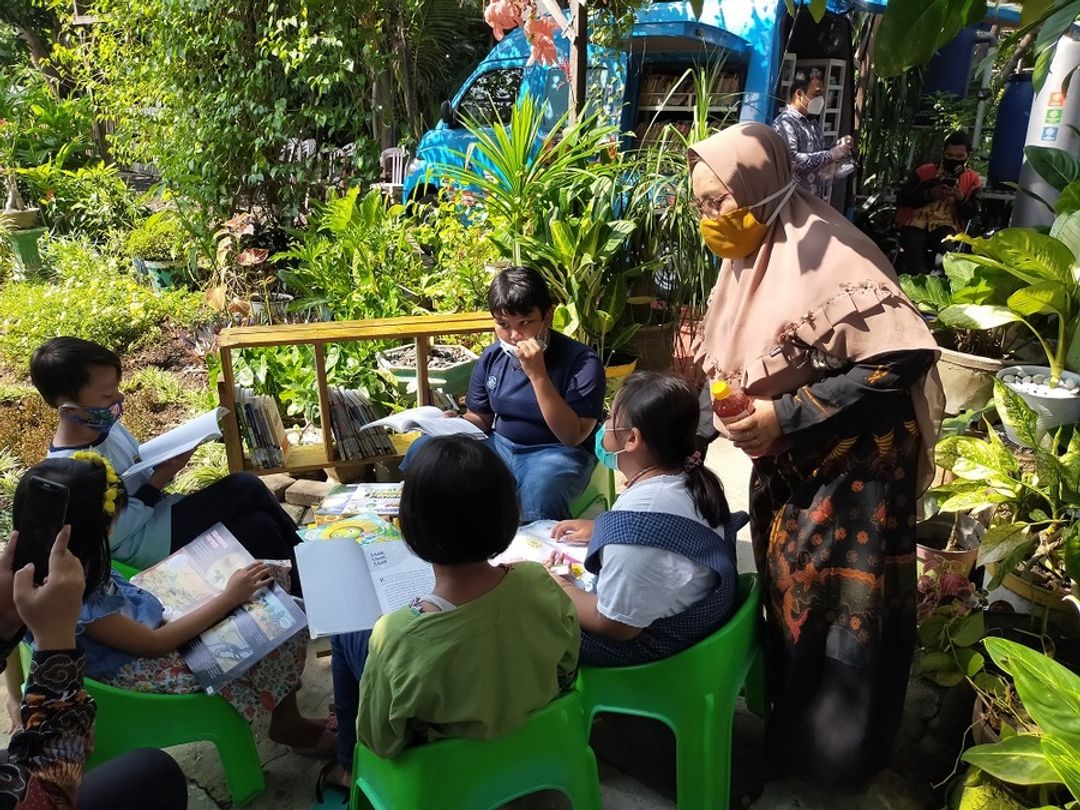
(816, 289)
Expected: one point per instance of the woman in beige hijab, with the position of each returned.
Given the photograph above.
(808, 317)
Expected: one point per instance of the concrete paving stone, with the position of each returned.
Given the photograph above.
(277, 483)
(295, 512)
(307, 518)
(308, 493)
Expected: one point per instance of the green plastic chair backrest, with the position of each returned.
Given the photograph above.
(600, 493)
(719, 662)
(549, 752)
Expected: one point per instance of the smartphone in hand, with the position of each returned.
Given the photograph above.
(41, 519)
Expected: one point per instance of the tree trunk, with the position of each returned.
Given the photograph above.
(39, 53)
(579, 58)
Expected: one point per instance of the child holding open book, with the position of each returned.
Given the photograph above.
(82, 381)
(121, 630)
(489, 645)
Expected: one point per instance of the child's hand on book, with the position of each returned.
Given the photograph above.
(573, 531)
(166, 471)
(51, 610)
(243, 584)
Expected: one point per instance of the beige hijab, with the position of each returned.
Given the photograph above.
(817, 288)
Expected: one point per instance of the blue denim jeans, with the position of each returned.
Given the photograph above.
(549, 476)
(350, 652)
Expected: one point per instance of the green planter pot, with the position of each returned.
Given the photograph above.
(24, 244)
(163, 275)
(452, 379)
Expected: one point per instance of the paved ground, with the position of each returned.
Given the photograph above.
(637, 756)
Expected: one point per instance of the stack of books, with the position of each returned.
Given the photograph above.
(349, 412)
(261, 429)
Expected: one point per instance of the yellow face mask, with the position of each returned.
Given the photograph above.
(739, 233)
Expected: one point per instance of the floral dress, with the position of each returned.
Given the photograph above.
(833, 525)
(255, 692)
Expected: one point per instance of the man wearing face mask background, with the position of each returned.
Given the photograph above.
(812, 162)
(937, 201)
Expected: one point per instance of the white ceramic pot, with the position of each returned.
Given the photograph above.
(968, 379)
(1053, 411)
(17, 220)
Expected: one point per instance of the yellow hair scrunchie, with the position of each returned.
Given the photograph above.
(112, 480)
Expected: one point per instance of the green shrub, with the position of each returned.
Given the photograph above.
(90, 201)
(161, 238)
(93, 299)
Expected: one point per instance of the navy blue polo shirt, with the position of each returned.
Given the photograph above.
(500, 387)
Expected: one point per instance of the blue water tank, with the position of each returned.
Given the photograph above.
(1010, 130)
(950, 69)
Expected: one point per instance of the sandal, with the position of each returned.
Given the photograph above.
(321, 784)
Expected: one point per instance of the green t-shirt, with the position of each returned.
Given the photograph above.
(476, 671)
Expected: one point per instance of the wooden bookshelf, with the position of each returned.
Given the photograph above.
(311, 457)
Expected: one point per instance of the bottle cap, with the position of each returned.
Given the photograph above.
(720, 389)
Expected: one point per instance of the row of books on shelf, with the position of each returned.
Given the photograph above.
(261, 429)
(350, 411)
(679, 90)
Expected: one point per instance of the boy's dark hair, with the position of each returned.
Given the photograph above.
(459, 503)
(664, 408)
(59, 368)
(517, 291)
(85, 513)
(801, 81)
(959, 138)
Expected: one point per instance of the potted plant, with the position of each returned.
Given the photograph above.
(949, 543)
(951, 623)
(1032, 545)
(449, 367)
(969, 357)
(1034, 764)
(1047, 302)
(157, 247)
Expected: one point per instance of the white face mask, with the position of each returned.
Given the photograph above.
(816, 106)
(512, 350)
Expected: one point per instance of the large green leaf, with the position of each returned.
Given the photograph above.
(930, 294)
(1056, 166)
(974, 499)
(977, 316)
(1016, 413)
(1032, 12)
(1044, 298)
(1066, 228)
(1064, 758)
(817, 10)
(1069, 201)
(1017, 760)
(1001, 541)
(913, 30)
(1072, 552)
(968, 630)
(1049, 691)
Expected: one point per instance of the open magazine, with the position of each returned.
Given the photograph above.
(194, 575)
(349, 583)
(179, 440)
(429, 420)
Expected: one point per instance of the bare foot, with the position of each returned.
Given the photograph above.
(338, 777)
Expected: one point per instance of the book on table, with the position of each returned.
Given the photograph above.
(430, 420)
(350, 581)
(196, 574)
(177, 441)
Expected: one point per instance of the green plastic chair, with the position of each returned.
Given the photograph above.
(128, 720)
(124, 570)
(599, 494)
(550, 752)
(694, 693)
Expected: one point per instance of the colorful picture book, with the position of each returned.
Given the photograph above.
(198, 572)
(347, 500)
(533, 542)
(363, 527)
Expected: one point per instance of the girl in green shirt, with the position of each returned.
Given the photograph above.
(487, 647)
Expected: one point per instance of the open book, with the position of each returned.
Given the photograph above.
(179, 440)
(197, 573)
(429, 420)
(349, 585)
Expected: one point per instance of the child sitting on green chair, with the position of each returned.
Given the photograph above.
(121, 630)
(487, 647)
(665, 555)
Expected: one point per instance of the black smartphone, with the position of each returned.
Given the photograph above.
(42, 517)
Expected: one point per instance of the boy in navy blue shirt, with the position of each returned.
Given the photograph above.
(539, 394)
